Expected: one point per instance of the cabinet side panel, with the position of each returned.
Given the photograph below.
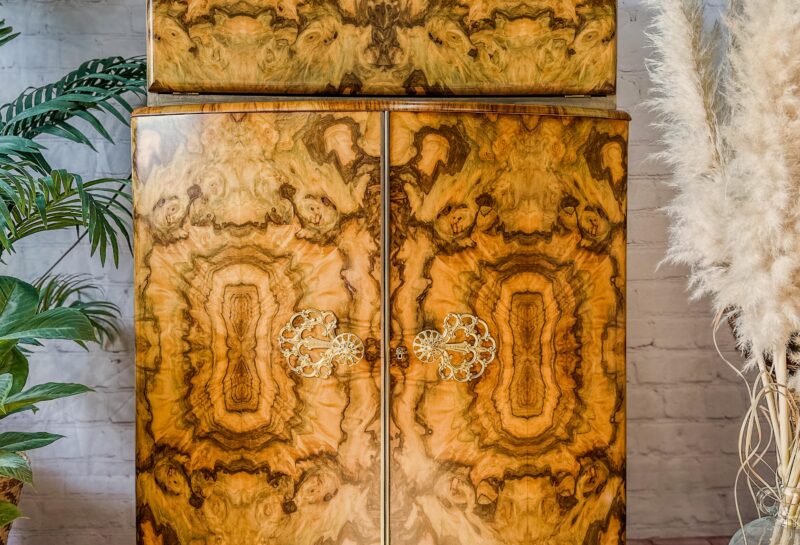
(384, 47)
(507, 281)
(257, 294)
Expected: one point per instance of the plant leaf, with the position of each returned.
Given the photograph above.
(6, 35)
(97, 84)
(17, 441)
(76, 291)
(8, 512)
(16, 363)
(6, 382)
(18, 301)
(18, 146)
(58, 323)
(43, 392)
(62, 199)
(15, 466)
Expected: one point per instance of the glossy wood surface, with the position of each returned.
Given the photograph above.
(518, 220)
(380, 105)
(383, 47)
(241, 220)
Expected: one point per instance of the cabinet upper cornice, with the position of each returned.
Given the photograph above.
(384, 47)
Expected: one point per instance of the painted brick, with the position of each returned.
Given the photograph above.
(645, 403)
(666, 367)
(676, 437)
(714, 402)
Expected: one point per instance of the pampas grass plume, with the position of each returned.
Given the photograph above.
(727, 103)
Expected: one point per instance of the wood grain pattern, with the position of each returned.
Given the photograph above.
(383, 47)
(240, 221)
(520, 221)
(380, 105)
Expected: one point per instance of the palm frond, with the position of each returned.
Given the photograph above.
(78, 292)
(6, 32)
(94, 87)
(60, 200)
(18, 154)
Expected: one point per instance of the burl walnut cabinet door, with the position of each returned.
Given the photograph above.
(383, 47)
(507, 344)
(258, 296)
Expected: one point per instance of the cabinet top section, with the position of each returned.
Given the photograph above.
(383, 47)
(380, 105)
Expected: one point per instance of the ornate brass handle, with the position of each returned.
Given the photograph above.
(311, 346)
(462, 350)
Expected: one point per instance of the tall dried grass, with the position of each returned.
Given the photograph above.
(728, 108)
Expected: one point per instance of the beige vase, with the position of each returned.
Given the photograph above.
(10, 491)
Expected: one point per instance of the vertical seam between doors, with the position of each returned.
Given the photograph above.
(385, 307)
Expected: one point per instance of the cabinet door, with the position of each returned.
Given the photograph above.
(507, 282)
(258, 292)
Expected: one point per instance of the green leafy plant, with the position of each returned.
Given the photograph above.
(26, 320)
(36, 197)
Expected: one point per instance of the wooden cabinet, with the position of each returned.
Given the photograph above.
(383, 47)
(374, 322)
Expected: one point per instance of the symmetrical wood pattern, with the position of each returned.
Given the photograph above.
(383, 47)
(507, 232)
(518, 220)
(241, 220)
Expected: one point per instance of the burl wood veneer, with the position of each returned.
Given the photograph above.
(383, 47)
(242, 221)
(508, 428)
(259, 300)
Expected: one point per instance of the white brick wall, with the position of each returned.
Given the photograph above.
(85, 483)
(683, 403)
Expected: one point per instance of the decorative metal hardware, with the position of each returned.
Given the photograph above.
(311, 346)
(462, 350)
